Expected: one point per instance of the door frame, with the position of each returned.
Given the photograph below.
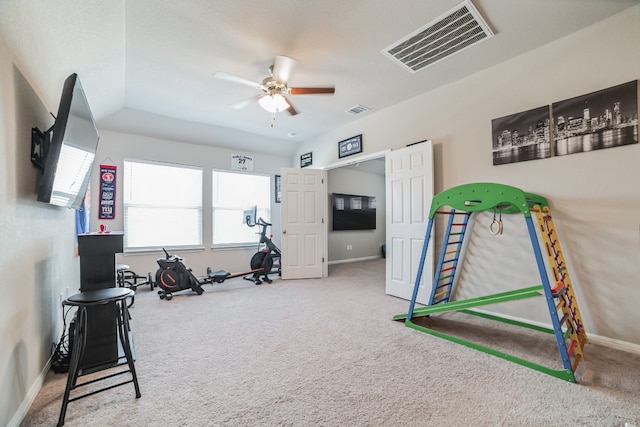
(336, 165)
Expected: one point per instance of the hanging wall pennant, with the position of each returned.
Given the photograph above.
(107, 192)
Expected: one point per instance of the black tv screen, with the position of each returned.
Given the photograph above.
(353, 212)
(70, 155)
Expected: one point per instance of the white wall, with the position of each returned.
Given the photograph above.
(364, 243)
(114, 147)
(594, 197)
(37, 249)
(37, 253)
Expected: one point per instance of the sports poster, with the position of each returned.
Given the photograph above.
(107, 208)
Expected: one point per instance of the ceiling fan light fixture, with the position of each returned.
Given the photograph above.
(273, 103)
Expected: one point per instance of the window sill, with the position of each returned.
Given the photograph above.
(170, 249)
(234, 246)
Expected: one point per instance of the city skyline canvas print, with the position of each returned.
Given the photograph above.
(521, 136)
(603, 119)
(606, 118)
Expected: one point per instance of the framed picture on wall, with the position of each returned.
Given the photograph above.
(350, 146)
(522, 136)
(278, 190)
(606, 118)
(306, 159)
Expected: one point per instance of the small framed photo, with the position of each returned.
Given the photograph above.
(350, 146)
(306, 159)
(278, 189)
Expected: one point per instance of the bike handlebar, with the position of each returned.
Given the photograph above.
(260, 222)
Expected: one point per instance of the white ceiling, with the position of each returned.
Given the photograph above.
(168, 51)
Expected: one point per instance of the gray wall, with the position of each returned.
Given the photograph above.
(37, 249)
(363, 243)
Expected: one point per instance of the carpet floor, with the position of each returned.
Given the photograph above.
(325, 352)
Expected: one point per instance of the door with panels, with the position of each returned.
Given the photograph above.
(302, 223)
(409, 190)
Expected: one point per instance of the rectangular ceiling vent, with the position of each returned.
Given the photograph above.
(451, 32)
(358, 109)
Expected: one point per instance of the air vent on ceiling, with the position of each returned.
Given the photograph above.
(451, 32)
(358, 109)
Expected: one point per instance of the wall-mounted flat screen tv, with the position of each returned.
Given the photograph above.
(353, 212)
(67, 158)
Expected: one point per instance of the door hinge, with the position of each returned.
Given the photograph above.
(322, 259)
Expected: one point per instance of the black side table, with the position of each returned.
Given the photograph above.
(92, 298)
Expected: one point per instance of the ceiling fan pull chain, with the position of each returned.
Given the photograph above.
(273, 119)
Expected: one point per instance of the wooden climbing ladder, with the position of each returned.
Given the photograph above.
(464, 200)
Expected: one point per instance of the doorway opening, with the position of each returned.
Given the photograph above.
(360, 179)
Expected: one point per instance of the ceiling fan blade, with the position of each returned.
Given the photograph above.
(235, 79)
(312, 90)
(291, 110)
(282, 68)
(244, 103)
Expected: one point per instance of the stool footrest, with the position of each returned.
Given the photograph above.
(102, 389)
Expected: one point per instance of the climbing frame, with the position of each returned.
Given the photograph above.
(463, 201)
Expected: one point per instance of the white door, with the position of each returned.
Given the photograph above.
(409, 190)
(302, 223)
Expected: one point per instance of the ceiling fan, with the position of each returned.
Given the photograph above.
(274, 89)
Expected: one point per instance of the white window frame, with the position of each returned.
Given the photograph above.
(128, 204)
(262, 211)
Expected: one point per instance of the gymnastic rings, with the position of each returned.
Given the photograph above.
(496, 226)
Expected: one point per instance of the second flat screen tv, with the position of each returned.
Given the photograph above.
(353, 212)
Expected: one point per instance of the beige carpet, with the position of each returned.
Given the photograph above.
(325, 352)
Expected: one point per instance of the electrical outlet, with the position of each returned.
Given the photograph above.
(349, 247)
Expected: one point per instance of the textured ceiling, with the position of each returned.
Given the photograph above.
(147, 65)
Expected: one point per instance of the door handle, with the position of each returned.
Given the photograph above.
(284, 231)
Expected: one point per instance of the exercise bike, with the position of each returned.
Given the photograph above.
(267, 254)
(262, 262)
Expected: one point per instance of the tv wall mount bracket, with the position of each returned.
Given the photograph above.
(40, 142)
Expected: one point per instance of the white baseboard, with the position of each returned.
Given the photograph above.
(30, 397)
(342, 261)
(595, 339)
(615, 344)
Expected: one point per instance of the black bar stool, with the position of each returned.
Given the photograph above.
(83, 300)
(123, 273)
